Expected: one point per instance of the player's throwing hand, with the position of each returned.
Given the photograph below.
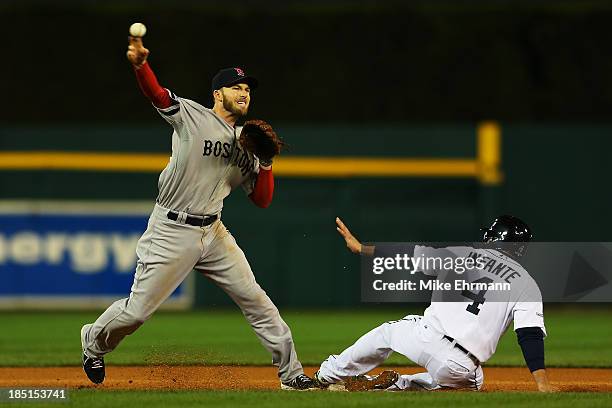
(137, 54)
(351, 242)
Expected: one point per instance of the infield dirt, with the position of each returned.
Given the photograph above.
(264, 378)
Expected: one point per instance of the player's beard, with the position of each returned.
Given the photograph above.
(234, 108)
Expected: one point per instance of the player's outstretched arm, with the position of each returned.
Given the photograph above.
(137, 55)
(541, 380)
(351, 242)
(531, 340)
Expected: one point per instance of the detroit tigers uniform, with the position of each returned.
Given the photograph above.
(452, 339)
(207, 163)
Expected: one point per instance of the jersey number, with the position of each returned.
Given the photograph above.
(478, 298)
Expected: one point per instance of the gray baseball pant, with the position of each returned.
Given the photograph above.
(167, 252)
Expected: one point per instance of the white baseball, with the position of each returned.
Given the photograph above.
(138, 30)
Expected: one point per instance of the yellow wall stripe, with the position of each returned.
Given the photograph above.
(83, 161)
(283, 166)
(485, 167)
(344, 167)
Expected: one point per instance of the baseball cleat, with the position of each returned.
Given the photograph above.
(320, 382)
(300, 383)
(93, 366)
(362, 382)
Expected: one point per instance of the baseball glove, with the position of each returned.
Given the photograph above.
(258, 137)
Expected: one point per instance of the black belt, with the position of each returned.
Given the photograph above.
(195, 221)
(460, 347)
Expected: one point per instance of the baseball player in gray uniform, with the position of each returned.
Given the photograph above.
(185, 230)
(453, 338)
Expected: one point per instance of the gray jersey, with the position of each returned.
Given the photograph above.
(207, 161)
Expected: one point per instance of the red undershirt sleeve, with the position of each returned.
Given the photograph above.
(147, 81)
(264, 188)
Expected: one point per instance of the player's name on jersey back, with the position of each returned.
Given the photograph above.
(493, 272)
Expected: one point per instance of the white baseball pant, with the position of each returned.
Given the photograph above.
(447, 366)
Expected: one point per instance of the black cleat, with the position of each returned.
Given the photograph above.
(94, 368)
(300, 383)
(362, 382)
(319, 382)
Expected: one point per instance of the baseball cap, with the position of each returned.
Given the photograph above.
(232, 76)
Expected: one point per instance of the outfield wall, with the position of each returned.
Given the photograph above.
(555, 177)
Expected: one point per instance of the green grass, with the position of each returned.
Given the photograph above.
(577, 338)
(263, 399)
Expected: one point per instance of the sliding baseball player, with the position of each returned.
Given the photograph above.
(452, 339)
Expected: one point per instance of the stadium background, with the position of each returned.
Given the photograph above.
(339, 80)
